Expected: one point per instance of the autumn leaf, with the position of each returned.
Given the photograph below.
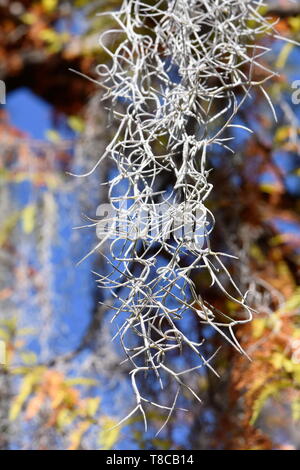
(28, 217)
(77, 434)
(109, 433)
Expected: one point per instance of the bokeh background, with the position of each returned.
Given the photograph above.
(62, 385)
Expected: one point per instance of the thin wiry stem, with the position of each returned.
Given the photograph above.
(178, 75)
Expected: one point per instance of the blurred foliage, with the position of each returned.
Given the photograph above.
(64, 411)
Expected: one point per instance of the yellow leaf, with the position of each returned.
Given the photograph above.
(258, 326)
(108, 436)
(81, 381)
(60, 397)
(53, 39)
(284, 55)
(10, 324)
(296, 410)
(4, 334)
(257, 253)
(26, 331)
(269, 391)
(76, 123)
(277, 360)
(77, 434)
(296, 373)
(20, 370)
(49, 35)
(28, 218)
(81, 3)
(29, 358)
(7, 226)
(64, 418)
(282, 134)
(294, 302)
(29, 18)
(49, 5)
(294, 22)
(288, 365)
(25, 391)
(92, 406)
(3, 359)
(53, 136)
(269, 188)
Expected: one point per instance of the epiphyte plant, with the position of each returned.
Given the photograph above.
(177, 76)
